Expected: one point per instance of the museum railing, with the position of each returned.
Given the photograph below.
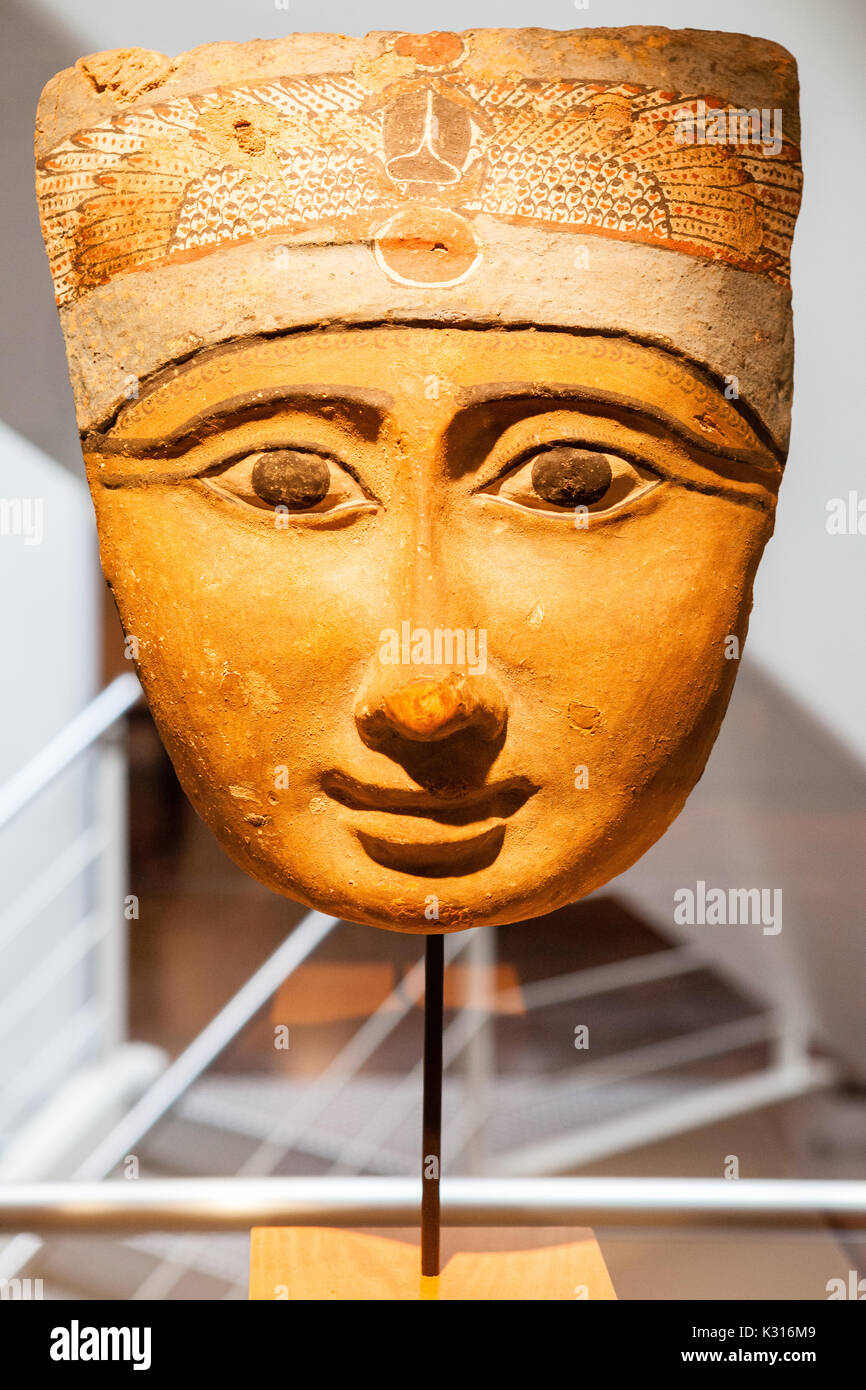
(236, 1204)
(77, 876)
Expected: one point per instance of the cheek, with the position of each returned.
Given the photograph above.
(621, 630)
(258, 625)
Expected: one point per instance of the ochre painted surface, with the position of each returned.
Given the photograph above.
(434, 394)
(317, 1263)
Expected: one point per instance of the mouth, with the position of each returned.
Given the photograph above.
(433, 835)
(452, 806)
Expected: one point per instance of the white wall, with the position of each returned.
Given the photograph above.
(48, 651)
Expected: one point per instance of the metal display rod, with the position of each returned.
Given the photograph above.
(431, 1125)
(220, 1204)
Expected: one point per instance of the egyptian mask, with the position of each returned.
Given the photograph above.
(434, 392)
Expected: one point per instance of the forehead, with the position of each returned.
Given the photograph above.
(432, 372)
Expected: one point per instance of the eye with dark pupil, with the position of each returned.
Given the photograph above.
(290, 478)
(570, 477)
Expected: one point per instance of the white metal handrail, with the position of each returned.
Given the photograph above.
(62, 750)
(72, 949)
(208, 1044)
(603, 979)
(221, 1204)
(83, 852)
(80, 1033)
(93, 942)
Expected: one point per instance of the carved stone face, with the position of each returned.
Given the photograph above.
(437, 622)
(301, 519)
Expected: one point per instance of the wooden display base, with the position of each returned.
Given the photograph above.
(310, 1262)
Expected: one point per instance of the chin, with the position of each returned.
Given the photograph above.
(371, 895)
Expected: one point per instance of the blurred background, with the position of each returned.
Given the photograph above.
(125, 932)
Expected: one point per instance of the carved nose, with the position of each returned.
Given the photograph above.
(426, 710)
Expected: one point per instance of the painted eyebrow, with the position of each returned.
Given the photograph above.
(366, 406)
(490, 392)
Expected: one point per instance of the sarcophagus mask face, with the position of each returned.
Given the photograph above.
(434, 393)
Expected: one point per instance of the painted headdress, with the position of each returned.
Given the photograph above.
(635, 181)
